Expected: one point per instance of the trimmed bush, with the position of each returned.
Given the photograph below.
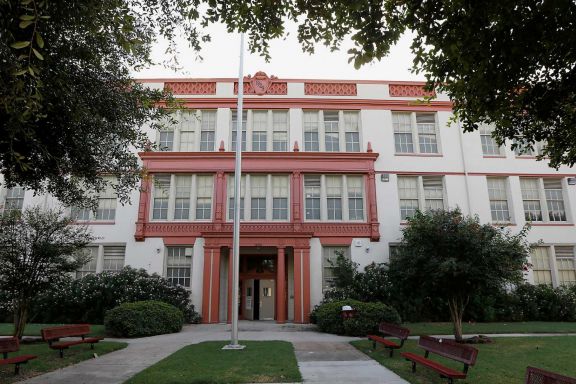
(328, 317)
(143, 318)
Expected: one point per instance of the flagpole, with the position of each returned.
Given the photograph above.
(237, 182)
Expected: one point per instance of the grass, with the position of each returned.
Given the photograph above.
(503, 361)
(487, 328)
(260, 362)
(49, 360)
(34, 329)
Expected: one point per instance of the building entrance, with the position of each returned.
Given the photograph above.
(259, 299)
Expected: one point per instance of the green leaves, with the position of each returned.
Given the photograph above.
(20, 44)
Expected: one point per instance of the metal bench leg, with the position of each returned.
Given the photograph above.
(61, 353)
(413, 367)
(373, 345)
(17, 368)
(91, 345)
(450, 380)
(391, 352)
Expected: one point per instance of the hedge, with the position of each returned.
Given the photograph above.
(143, 318)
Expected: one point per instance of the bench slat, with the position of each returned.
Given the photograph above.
(17, 359)
(9, 344)
(540, 376)
(449, 349)
(443, 370)
(394, 330)
(75, 330)
(386, 342)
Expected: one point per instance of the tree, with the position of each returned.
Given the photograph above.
(70, 112)
(507, 63)
(37, 250)
(451, 257)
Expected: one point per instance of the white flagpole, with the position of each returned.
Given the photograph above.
(237, 179)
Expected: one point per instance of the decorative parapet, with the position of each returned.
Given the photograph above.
(330, 89)
(262, 84)
(409, 90)
(191, 87)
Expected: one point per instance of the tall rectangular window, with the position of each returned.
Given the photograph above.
(258, 197)
(235, 128)
(161, 197)
(433, 192)
(497, 193)
(334, 197)
(565, 261)
(408, 194)
(207, 130)
(90, 267)
(531, 199)
(230, 186)
(14, 200)
(113, 258)
(166, 142)
(541, 265)
(351, 131)
(554, 199)
(489, 144)
(355, 198)
(106, 204)
(179, 266)
(280, 131)
(420, 193)
(182, 198)
(312, 195)
(259, 130)
(543, 199)
(331, 131)
(329, 262)
(402, 124)
(311, 136)
(280, 187)
(410, 128)
(426, 123)
(204, 185)
(188, 121)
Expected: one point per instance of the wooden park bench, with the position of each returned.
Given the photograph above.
(53, 334)
(540, 376)
(445, 348)
(11, 344)
(387, 329)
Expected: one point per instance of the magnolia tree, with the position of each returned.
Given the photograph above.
(37, 250)
(452, 257)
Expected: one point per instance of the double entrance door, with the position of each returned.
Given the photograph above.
(259, 299)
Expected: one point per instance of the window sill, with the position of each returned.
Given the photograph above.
(551, 224)
(503, 224)
(420, 154)
(494, 156)
(90, 222)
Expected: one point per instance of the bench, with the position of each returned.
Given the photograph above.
(540, 376)
(393, 330)
(11, 344)
(445, 348)
(53, 334)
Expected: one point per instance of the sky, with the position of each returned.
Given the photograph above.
(221, 59)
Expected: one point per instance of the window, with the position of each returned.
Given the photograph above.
(265, 199)
(263, 130)
(411, 128)
(329, 258)
(543, 199)
(182, 197)
(420, 192)
(195, 130)
(489, 145)
(498, 195)
(14, 200)
(179, 266)
(339, 131)
(334, 197)
(526, 149)
(103, 258)
(541, 265)
(106, 209)
(566, 264)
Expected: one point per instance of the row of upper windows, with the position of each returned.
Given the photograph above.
(542, 198)
(262, 197)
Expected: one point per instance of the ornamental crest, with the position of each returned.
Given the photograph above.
(260, 82)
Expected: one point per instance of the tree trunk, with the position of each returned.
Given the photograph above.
(20, 319)
(457, 306)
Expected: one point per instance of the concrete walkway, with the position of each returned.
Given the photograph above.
(322, 358)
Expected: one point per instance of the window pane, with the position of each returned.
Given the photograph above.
(182, 203)
(178, 266)
(334, 197)
(554, 199)
(433, 192)
(90, 266)
(489, 145)
(329, 258)
(113, 258)
(355, 198)
(531, 199)
(351, 128)
(208, 130)
(235, 126)
(541, 266)
(497, 194)
(258, 193)
(161, 194)
(565, 260)
(331, 131)
(204, 185)
(312, 195)
(408, 193)
(311, 131)
(166, 140)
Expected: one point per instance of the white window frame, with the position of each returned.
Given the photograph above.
(555, 259)
(423, 200)
(329, 254)
(246, 195)
(188, 253)
(415, 133)
(171, 195)
(190, 120)
(345, 198)
(321, 128)
(522, 152)
(492, 198)
(107, 202)
(542, 198)
(5, 192)
(271, 127)
(100, 258)
(486, 132)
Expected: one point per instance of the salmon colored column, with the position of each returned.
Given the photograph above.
(230, 268)
(302, 285)
(281, 286)
(211, 285)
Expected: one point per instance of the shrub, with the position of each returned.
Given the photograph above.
(329, 319)
(143, 318)
(86, 300)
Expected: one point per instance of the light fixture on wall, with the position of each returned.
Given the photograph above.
(572, 181)
(385, 177)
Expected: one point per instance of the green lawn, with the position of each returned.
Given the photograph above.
(503, 361)
(207, 363)
(486, 328)
(49, 360)
(34, 329)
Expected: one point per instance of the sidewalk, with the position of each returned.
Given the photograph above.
(322, 358)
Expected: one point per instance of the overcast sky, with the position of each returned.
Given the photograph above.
(221, 58)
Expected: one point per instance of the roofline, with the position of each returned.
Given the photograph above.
(235, 79)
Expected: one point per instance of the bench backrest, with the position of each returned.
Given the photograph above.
(449, 349)
(9, 344)
(540, 376)
(394, 330)
(52, 333)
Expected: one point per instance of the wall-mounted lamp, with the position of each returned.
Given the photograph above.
(572, 181)
(385, 177)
